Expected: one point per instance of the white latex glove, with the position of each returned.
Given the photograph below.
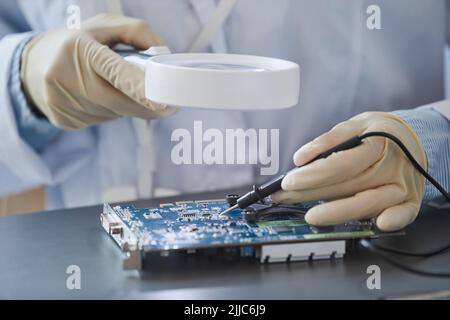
(76, 80)
(374, 180)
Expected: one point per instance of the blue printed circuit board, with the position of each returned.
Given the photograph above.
(198, 224)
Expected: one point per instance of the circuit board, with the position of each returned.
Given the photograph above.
(199, 225)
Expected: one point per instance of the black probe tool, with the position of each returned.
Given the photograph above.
(259, 193)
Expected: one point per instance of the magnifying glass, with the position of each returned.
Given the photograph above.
(217, 81)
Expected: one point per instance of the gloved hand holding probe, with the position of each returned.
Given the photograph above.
(76, 80)
(373, 180)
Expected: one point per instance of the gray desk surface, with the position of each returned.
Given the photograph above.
(35, 251)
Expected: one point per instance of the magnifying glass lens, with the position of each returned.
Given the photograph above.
(216, 66)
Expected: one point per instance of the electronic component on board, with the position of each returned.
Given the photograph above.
(232, 199)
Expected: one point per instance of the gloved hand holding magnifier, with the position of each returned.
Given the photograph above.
(76, 80)
(82, 81)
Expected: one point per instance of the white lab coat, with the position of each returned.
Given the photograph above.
(345, 69)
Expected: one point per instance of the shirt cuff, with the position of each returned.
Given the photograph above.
(433, 130)
(37, 131)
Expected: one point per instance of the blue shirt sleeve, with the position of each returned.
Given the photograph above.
(433, 130)
(37, 131)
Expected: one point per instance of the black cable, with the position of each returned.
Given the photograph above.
(410, 157)
(425, 254)
(399, 265)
